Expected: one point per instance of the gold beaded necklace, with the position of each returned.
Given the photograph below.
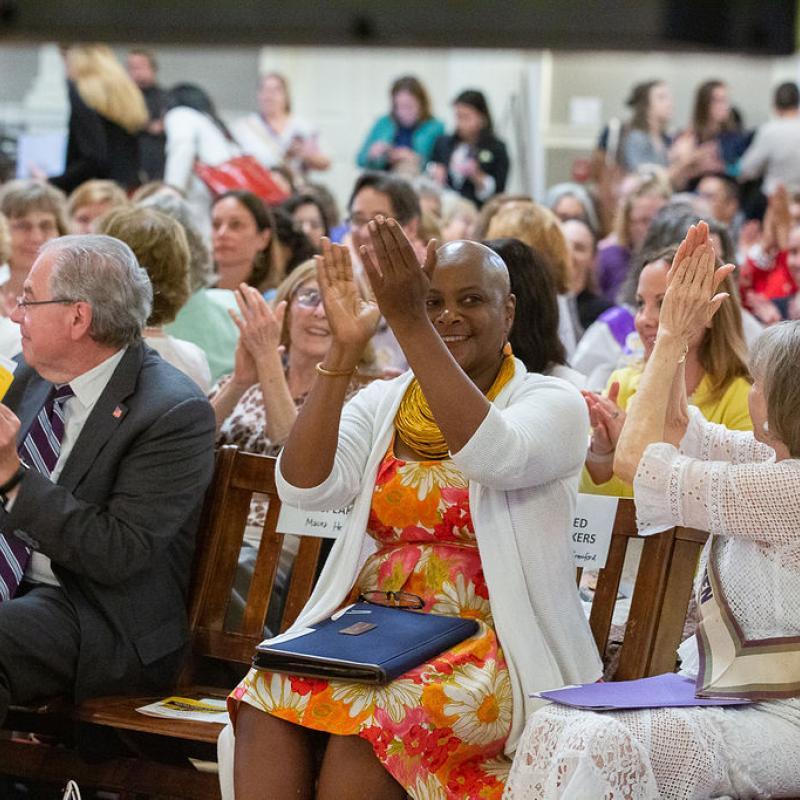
(415, 423)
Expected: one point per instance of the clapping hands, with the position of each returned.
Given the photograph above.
(352, 319)
(606, 418)
(399, 283)
(691, 299)
(259, 333)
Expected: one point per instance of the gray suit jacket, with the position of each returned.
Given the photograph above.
(119, 525)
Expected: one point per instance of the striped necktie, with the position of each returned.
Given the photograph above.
(39, 449)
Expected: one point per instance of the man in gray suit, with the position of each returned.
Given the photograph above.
(102, 534)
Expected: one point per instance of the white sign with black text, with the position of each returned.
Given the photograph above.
(328, 524)
(591, 529)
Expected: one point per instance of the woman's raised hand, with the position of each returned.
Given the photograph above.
(399, 282)
(259, 333)
(352, 319)
(691, 299)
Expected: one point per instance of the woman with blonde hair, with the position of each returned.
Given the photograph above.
(161, 247)
(107, 110)
(91, 200)
(539, 228)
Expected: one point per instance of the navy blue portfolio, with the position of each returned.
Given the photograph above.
(368, 644)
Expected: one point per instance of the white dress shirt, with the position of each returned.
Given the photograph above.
(88, 388)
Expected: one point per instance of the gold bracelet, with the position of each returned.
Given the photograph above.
(684, 353)
(334, 373)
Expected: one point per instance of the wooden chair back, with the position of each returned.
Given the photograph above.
(239, 477)
(660, 598)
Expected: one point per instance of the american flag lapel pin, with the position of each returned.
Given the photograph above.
(117, 413)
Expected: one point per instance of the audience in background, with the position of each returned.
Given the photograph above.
(402, 141)
(276, 136)
(471, 160)
(91, 200)
(143, 69)
(107, 113)
(161, 248)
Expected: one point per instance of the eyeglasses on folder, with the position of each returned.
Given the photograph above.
(393, 599)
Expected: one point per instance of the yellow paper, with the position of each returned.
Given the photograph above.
(7, 367)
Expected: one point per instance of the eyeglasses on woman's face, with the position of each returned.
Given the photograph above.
(308, 297)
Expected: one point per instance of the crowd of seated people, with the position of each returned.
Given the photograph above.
(597, 342)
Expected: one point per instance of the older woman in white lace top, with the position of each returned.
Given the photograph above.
(743, 489)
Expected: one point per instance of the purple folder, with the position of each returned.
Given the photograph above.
(662, 691)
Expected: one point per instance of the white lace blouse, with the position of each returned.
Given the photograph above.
(729, 484)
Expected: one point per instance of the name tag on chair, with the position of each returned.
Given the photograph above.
(591, 529)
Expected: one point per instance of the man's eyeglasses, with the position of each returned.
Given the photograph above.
(393, 599)
(23, 303)
(308, 298)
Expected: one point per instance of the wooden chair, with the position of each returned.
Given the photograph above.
(660, 598)
(155, 753)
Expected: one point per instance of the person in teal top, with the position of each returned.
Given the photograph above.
(402, 141)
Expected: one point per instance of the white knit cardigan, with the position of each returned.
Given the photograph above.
(522, 464)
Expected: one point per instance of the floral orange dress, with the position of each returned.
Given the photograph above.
(440, 728)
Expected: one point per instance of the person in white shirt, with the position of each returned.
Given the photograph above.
(194, 133)
(775, 150)
(276, 136)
